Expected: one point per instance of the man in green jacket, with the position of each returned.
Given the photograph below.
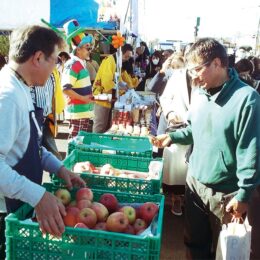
(224, 126)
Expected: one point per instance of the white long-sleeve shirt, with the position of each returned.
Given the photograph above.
(15, 105)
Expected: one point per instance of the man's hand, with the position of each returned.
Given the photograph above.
(236, 208)
(71, 179)
(161, 141)
(49, 212)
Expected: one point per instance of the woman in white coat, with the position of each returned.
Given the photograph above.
(175, 102)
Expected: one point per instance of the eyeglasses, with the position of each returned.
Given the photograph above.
(194, 72)
(88, 48)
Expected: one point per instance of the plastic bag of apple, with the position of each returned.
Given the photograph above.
(107, 214)
(155, 168)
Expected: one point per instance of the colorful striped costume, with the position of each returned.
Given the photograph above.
(76, 77)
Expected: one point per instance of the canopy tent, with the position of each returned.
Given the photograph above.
(25, 12)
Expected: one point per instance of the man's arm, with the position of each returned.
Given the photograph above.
(73, 95)
(247, 153)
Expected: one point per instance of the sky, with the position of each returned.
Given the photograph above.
(175, 20)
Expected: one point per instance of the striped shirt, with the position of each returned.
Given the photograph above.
(76, 77)
(42, 96)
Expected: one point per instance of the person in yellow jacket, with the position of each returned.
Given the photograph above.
(103, 84)
(127, 74)
(50, 98)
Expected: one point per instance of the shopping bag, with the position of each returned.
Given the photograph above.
(234, 242)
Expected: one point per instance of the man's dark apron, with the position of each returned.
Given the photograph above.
(30, 164)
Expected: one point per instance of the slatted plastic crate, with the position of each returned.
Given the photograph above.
(112, 183)
(105, 143)
(24, 240)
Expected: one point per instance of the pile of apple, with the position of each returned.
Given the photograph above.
(106, 214)
(109, 170)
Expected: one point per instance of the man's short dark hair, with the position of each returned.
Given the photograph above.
(207, 49)
(127, 47)
(25, 42)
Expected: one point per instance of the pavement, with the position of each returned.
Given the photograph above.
(172, 247)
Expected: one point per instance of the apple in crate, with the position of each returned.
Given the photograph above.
(139, 224)
(88, 217)
(100, 210)
(84, 167)
(84, 193)
(129, 230)
(129, 212)
(70, 219)
(63, 195)
(117, 222)
(80, 225)
(109, 201)
(101, 226)
(147, 211)
(107, 169)
(81, 204)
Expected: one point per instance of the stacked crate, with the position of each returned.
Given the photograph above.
(25, 241)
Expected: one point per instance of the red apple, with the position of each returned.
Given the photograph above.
(88, 217)
(80, 225)
(129, 212)
(63, 195)
(70, 219)
(139, 224)
(147, 211)
(109, 201)
(129, 230)
(84, 193)
(101, 226)
(81, 204)
(73, 210)
(117, 222)
(100, 210)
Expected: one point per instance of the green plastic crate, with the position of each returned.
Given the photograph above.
(111, 183)
(103, 143)
(24, 240)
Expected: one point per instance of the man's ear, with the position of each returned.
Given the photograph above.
(217, 62)
(37, 58)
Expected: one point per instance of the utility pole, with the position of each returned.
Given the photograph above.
(196, 28)
(257, 41)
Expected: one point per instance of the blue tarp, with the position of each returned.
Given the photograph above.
(85, 11)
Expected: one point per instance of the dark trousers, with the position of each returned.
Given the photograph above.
(2, 235)
(204, 216)
(254, 220)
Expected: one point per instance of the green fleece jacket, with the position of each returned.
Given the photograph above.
(225, 131)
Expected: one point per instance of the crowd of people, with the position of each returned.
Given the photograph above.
(208, 129)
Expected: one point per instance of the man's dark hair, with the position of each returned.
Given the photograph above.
(127, 47)
(207, 49)
(25, 42)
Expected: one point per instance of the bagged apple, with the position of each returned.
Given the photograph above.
(81, 167)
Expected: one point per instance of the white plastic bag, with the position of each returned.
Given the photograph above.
(234, 242)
